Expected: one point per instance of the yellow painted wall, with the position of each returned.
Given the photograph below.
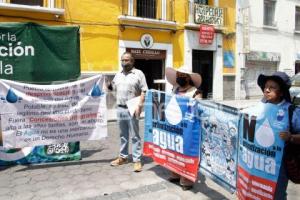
(100, 31)
(99, 28)
(181, 12)
(98, 21)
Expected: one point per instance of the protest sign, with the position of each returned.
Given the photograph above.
(39, 54)
(172, 133)
(33, 115)
(219, 138)
(35, 53)
(260, 150)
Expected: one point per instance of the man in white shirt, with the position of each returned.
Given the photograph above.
(129, 83)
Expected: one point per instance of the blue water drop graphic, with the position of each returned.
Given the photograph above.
(96, 92)
(11, 97)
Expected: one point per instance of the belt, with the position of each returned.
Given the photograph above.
(122, 106)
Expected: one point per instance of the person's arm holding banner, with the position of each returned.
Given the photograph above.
(109, 84)
(294, 137)
(288, 137)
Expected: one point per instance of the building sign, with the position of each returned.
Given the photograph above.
(147, 41)
(150, 54)
(206, 34)
(209, 15)
(263, 56)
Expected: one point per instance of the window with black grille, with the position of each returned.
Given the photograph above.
(203, 2)
(146, 8)
(28, 2)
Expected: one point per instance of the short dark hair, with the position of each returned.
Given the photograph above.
(130, 54)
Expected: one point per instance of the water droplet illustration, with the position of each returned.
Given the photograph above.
(11, 97)
(264, 135)
(280, 115)
(173, 112)
(96, 92)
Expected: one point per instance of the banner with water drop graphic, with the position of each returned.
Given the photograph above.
(219, 141)
(261, 150)
(33, 115)
(35, 53)
(172, 132)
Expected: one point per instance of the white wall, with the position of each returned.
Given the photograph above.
(191, 42)
(281, 39)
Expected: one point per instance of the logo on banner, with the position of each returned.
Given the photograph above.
(206, 34)
(280, 115)
(95, 92)
(147, 41)
(11, 97)
(262, 133)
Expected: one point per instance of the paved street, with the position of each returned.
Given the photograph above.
(93, 178)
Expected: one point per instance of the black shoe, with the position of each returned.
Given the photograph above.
(174, 179)
(186, 187)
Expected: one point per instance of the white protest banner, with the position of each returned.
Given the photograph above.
(34, 115)
(219, 141)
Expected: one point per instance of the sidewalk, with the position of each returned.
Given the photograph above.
(94, 178)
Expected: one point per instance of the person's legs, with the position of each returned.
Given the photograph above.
(124, 125)
(136, 144)
(185, 183)
(174, 177)
(136, 140)
(282, 183)
(124, 137)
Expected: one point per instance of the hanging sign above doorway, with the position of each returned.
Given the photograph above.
(204, 14)
(147, 41)
(149, 54)
(206, 34)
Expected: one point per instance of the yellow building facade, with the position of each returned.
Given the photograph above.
(159, 33)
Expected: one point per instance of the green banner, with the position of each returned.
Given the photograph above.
(39, 54)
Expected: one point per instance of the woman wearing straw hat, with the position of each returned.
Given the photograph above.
(185, 83)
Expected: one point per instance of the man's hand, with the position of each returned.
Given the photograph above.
(285, 136)
(138, 111)
(108, 84)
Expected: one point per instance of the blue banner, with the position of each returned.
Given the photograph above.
(261, 150)
(172, 132)
(219, 137)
